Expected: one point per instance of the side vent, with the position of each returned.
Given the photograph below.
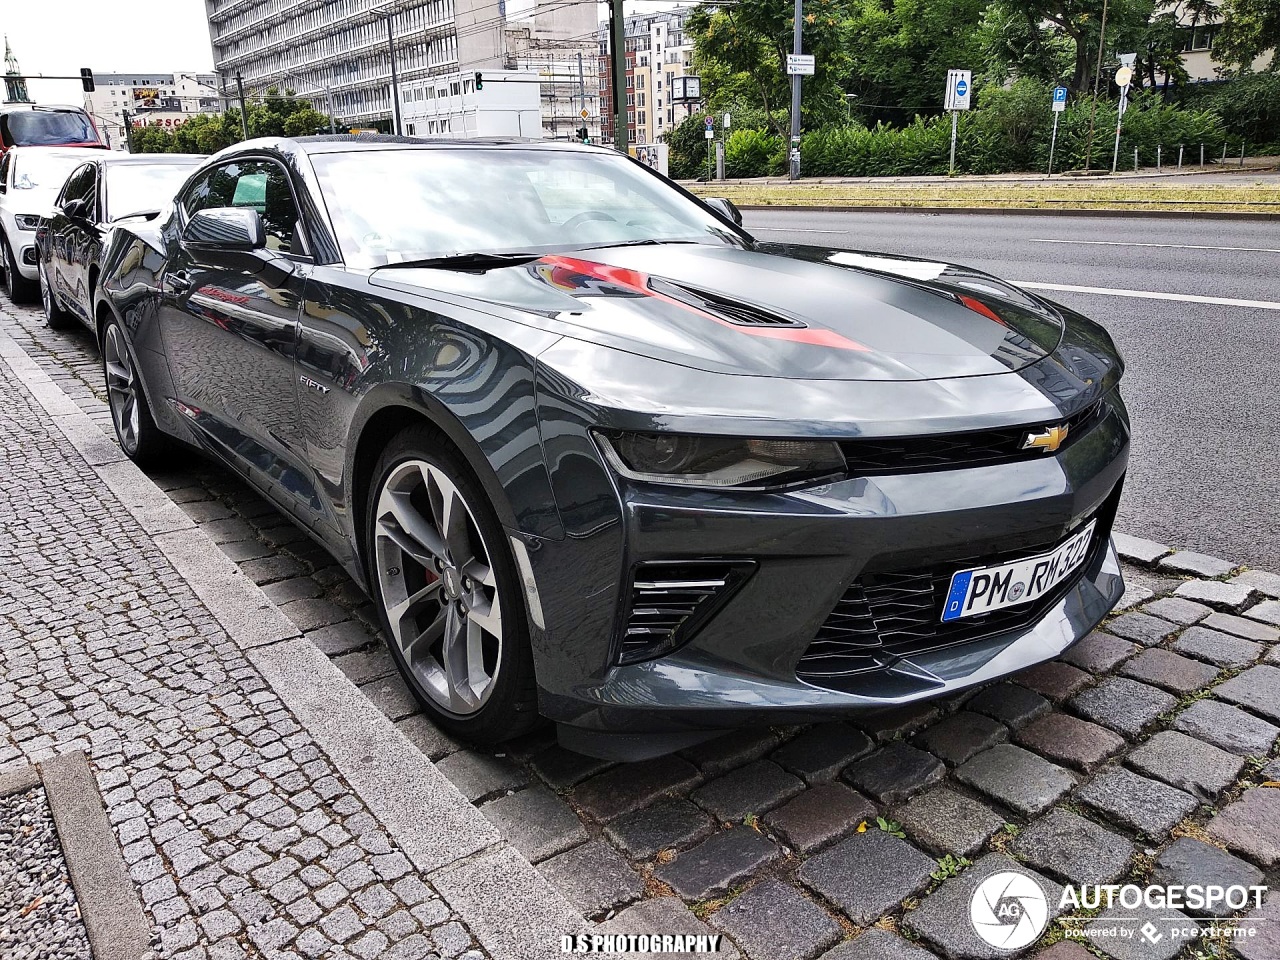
(672, 600)
(724, 307)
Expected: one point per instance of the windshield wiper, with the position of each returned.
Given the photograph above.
(635, 243)
(463, 261)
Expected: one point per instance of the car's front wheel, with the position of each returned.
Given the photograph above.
(54, 315)
(445, 583)
(139, 437)
(21, 290)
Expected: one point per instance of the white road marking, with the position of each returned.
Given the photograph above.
(1149, 295)
(798, 230)
(1169, 246)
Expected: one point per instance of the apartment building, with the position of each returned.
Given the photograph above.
(657, 51)
(507, 105)
(163, 99)
(342, 47)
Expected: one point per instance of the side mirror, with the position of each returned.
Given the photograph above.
(75, 208)
(225, 228)
(725, 208)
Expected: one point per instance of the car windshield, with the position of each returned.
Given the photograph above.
(388, 206)
(48, 128)
(141, 188)
(38, 176)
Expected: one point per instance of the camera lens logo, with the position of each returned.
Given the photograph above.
(1009, 910)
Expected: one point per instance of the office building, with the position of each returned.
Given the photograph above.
(159, 99)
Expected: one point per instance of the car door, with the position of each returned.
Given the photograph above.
(67, 233)
(230, 334)
(82, 241)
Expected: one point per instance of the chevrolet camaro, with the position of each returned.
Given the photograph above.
(599, 455)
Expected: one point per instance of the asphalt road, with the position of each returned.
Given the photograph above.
(1203, 382)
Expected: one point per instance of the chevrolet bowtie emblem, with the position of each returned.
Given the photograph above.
(1048, 440)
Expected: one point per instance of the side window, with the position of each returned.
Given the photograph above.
(81, 185)
(259, 184)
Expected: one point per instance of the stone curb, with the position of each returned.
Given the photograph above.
(502, 898)
(109, 904)
(19, 780)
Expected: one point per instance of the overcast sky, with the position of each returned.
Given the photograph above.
(107, 36)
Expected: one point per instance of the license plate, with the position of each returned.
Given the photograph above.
(979, 591)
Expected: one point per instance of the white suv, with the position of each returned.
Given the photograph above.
(30, 178)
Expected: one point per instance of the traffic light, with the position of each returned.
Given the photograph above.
(86, 79)
(583, 135)
(479, 80)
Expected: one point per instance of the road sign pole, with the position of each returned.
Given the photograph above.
(1053, 141)
(797, 49)
(955, 115)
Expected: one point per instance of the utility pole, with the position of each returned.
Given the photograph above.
(582, 90)
(244, 111)
(797, 49)
(618, 64)
(395, 84)
(328, 92)
(1097, 74)
(128, 130)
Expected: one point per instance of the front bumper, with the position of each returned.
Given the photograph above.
(807, 547)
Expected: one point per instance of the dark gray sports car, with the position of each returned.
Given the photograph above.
(598, 454)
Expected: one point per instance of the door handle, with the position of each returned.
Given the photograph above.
(179, 281)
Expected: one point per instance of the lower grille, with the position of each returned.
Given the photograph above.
(670, 601)
(884, 617)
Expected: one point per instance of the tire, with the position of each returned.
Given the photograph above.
(21, 290)
(440, 588)
(55, 315)
(136, 430)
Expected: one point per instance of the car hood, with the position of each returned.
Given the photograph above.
(774, 310)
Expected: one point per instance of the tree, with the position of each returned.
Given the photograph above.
(150, 139)
(306, 123)
(1080, 21)
(1250, 28)
(747, 45)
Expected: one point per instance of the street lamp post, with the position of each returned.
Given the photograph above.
(395, 84)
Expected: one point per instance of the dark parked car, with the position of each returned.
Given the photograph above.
(70, 241)
(598, 454)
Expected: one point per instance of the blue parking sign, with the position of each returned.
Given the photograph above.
(1059, 94)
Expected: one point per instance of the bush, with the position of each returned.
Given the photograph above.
(752, 153)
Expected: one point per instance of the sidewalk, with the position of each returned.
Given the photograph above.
(242, 834)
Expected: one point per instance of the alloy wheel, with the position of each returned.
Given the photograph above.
(438, 585)
(122, 389)
(46, 296)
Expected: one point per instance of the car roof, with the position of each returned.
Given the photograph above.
(116, 158)
(15, 107)
(348, 142)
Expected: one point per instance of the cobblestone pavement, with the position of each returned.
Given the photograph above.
(240, 834)
(39, 917)
(1139, 755)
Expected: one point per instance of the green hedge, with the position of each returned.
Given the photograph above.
(1008, 132)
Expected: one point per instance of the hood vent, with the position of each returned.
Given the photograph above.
(724, 307)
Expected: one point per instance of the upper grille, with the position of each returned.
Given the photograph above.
(671, 600)
(939, 451)
(884, 617)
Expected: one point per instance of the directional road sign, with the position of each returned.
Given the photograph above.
(800, 63)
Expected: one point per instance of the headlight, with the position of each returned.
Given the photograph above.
(27, 221)
(720, 461)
